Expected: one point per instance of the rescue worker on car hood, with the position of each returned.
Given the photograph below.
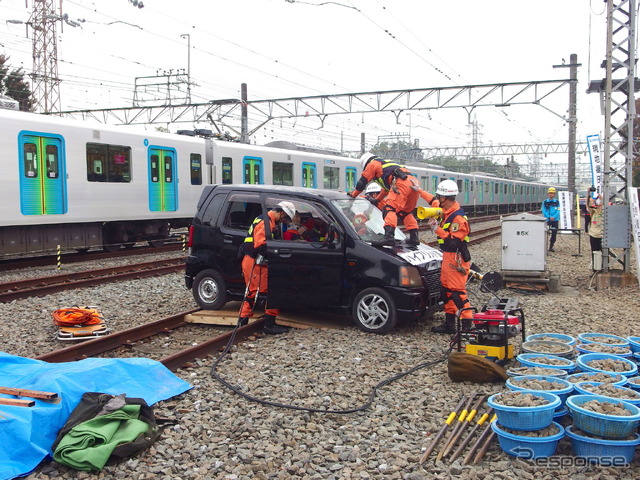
(400, 199)
(453, 236)
(254, 265)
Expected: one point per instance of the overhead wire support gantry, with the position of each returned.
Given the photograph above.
(468, 97)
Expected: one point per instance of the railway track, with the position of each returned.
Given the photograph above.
(46, 285)
(78, 257)
(130, 336)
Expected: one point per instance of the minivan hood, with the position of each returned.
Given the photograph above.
(421, 255)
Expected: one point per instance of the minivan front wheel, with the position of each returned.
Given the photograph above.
(374, 311)
(210, 290)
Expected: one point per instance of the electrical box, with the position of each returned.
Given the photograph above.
(524, 243)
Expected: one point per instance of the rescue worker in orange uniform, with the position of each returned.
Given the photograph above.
(254, 265)
(400, 199)
(453, 236)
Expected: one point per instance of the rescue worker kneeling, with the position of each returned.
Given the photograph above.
(453, 236)
(254, 265)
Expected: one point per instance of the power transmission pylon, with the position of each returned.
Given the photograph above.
(46, 84)
(619, 117)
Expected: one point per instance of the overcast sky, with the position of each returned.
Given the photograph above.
(284, 48)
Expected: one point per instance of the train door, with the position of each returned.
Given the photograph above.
(309, 175)
(163, 184)
(350, 178)
(481, 192)
(252, 170)
(43, 178)
(467, 189)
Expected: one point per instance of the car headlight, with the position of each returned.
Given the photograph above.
(409, 277)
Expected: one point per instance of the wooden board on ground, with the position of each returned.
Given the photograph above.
(297, 319)
(225, 316)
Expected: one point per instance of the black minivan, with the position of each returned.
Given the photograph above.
(337, 268)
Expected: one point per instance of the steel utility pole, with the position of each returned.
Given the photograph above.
(188, 65)
(573, 119)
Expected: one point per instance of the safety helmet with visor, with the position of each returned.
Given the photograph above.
(366, 158)
(288, 208)
(447, 188)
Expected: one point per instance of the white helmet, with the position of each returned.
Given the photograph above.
(288, 208)
(366, 158)
(373, 187)
(447, 188)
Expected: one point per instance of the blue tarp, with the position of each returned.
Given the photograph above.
(27, 434)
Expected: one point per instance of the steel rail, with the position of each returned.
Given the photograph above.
(99, 345)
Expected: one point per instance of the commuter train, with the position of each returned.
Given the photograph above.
(78, 185)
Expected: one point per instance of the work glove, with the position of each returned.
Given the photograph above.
(432, 223)
(373, 201)
(351, 194)
(435, 204)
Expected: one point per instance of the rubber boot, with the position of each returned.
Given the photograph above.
(448, 326)
(271, 327)
(389, 237)
(414, 238)
(467, 324)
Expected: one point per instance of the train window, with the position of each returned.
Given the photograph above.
(350, 175)
(155, 168)
(51, 154)
(282, 173)
(108, 163)
(196, 168)
(497, 188)
(486, 187)
(168, 168)
(331, 178)
(424, 183)
(459, 182)
(227, 173)
(30, 160)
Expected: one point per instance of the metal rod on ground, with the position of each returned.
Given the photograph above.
(464, 424)
(485, 447)
(446, 425)
(461, 418)
(481, 439)
(473, 431)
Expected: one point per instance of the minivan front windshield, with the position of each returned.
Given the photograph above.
(365, 219)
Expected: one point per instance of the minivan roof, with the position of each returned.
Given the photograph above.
(281, 189)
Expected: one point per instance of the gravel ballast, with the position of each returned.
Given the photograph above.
(220, 435)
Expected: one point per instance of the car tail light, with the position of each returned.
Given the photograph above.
(190, 241)
(410, 277)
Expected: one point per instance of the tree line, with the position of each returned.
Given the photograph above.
(14, 85)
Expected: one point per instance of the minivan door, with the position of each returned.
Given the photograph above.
(307, 271)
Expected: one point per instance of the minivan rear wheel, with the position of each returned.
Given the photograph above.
(210, 290)
(374, 311)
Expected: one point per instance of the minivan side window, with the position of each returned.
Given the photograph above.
(310, 216)
(211, 211)
(242, 209)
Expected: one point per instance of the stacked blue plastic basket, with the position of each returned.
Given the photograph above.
(617, 432)
(527, 419)
(583, 363)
